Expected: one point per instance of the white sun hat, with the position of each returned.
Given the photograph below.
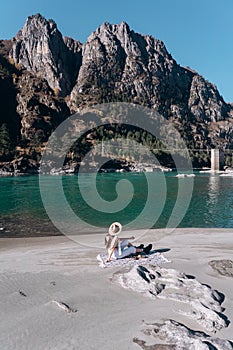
(115, 228)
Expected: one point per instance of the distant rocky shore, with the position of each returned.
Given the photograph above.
(26, 166)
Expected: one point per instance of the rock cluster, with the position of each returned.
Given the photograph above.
(21, 165)
(204, 303)
(202, 306)
(172, 335)
(222, 267)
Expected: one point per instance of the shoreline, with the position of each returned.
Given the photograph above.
(50, 269)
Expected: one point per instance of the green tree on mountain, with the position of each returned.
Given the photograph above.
(5, 141)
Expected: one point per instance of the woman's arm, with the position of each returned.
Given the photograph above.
(127, 239)
(110, 254)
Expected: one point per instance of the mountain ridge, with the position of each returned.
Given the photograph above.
(53, 76)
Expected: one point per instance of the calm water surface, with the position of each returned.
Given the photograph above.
(22, 211)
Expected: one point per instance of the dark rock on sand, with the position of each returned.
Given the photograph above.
(203, 303)
(222, 267)
(172, 335)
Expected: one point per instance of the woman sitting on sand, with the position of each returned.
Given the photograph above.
(119, 248)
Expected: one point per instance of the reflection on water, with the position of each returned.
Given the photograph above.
(212, 203)
(212, 198)
(22, 212)
(213, 189)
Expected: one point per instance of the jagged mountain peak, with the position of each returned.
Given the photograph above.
(123, 26)
(122, 64)
(124, 33)
(108, 31)
(40, 19)
(38, 25)
(40, 48)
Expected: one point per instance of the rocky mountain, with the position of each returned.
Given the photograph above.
(45, 77)
(30, 109)
(40, 48)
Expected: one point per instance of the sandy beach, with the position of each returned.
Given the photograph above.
(54, 294)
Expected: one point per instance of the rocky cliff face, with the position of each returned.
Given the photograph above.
(45, 77)
(40, 111)
(128, 65)
(30, 109)
(40, 48)
(119, 64)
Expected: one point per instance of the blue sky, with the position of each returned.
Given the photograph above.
(198, 33)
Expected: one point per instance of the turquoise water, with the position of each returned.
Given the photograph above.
(22, 211)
